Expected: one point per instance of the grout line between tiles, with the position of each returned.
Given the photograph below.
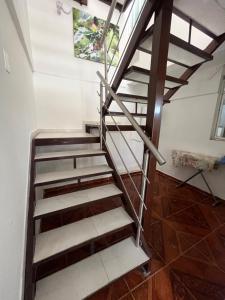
(173, 260)
(186, 288)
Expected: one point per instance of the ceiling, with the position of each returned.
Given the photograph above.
(209, 13)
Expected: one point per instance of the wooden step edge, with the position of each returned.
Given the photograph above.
(41, 157)
(119, 113)
(123, 95)
(66, 141)
(74, 177)
(146, 72)
(112, 127)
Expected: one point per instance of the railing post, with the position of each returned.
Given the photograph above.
(101, 115)
(105, 60)
(105, 65)
(143, 190)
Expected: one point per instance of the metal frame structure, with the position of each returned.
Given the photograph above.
(148, 144)
(161, 38)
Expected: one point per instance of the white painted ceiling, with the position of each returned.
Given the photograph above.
(209, 13)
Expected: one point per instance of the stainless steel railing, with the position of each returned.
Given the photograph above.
(149, 147)
(133, 9)
(160, 159)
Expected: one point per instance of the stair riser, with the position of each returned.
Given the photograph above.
(70, 179)
(66, 141)
(52, 264)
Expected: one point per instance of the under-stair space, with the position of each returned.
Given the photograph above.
(183, 59)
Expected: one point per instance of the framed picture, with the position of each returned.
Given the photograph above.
(87, 32)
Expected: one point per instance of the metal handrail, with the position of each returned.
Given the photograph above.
(128, 41)
(114, 143)
(128, 196)
(108, 21)
(149, 146)
(117, 46)
(160, 159)
(117, 23)
(105, 30)
(134, 156)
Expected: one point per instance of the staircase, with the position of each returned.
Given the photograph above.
(46, 277)
(81, 279)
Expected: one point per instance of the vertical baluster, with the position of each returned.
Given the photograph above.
(143, 190)
(105, 65)
(101, 112)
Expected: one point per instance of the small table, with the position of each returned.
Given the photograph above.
(198, 161)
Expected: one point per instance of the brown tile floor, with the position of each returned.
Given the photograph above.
(187, 239)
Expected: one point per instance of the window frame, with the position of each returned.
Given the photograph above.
(218, 109)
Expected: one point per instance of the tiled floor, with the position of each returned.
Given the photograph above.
(187, 238)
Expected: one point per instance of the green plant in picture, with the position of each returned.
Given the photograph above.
(112, 39)
(87, 32)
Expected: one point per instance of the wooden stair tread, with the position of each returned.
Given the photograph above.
(180, 51)
(93, 273)
(132, 98)
(62, 202)
(62, 134)
(59, 176)
(141, 75)
(68, 154)
(64, 138)
(66, 237)
(113, 127)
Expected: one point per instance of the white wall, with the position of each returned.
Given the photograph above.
(187, 123)
(66, 87)
(22, 13)
(16, 123)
